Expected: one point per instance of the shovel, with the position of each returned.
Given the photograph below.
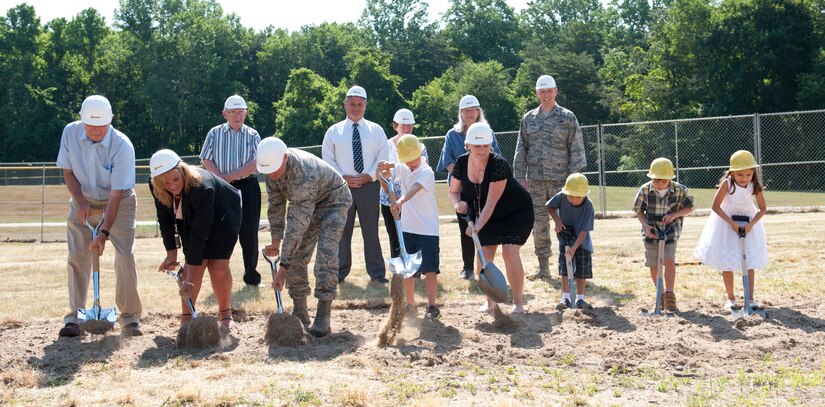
(746, 310)
(200, 332)
(566, 237)
(490, 279)
(272, 265)
(96, 313)
(186, 297)
(660, 271)
(281, 328)
(408, 264)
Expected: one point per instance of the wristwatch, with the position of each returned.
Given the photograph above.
(105, 232)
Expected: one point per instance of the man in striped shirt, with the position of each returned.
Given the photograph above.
(230, 151)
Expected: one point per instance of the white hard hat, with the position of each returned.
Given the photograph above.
(234, 102)
(357, 91)
(96, 111)
(162, 161)
(468, 101)
(479, 134)
(404, 116)
(545, 82)
(270, 155)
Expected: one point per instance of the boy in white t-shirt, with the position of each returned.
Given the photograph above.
(419, 218)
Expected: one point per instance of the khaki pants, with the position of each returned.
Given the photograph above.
(122, 240)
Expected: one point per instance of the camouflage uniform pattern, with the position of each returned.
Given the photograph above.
(550, 147)
(318, 203)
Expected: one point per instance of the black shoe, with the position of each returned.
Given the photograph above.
(563, 305)
(252, 278)
(382, 280)
(432, 312)
(582, 304)
(132, 329)
(467, 274)
(70, 330)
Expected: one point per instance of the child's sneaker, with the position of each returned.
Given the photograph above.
(410, 311)
(729, 305)
(670, 302)
(582, 304)
(755, 305)
(563, 304)
(432, 312)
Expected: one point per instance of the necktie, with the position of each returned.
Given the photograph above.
(357, 154)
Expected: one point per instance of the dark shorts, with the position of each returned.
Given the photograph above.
(429, 251)
(582, 264)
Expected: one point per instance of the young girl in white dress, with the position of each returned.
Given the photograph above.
(718, 245)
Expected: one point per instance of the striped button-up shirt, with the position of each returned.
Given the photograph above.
(655, 207)
(230, 149)
(99, 167)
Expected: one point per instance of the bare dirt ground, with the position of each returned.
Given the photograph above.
(611, 355)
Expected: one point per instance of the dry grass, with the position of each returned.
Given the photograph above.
(34, 289)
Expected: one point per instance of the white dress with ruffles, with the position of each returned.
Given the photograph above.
(718, 245)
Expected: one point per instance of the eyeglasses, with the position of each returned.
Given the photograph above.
(237, 112)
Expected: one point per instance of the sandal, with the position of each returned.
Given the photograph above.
(226, 320)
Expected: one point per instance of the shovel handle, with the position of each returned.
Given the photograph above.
(184, 294)
(477, 243)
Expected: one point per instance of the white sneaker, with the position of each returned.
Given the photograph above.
(755, 305)
(729, 304)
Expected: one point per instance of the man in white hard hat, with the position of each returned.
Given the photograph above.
(230, 151)
(98, 165)
(318, 203)
(549, 148)
(353, 147)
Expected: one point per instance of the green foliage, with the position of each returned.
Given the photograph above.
(309, 105)
(167, 66)
(484, 30)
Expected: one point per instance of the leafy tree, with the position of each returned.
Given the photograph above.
(484, 30)
(309, 105)
(370, 69)
(436, 104)
(401, 29)
(322, 48)
(576, 76)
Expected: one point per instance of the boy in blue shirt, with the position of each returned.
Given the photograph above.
(573, 214)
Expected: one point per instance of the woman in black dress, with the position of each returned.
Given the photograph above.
(202, 213)
(483, 186)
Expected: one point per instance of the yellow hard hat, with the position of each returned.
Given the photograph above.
(409, 148)
(576, 185)
(742, 160)
(661, 168)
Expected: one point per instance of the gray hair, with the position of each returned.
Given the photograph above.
(460, 125)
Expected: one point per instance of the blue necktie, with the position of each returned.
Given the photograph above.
(357, 155)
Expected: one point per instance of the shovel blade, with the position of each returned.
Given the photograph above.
(406, 266)
(91, 314)
(492, 282)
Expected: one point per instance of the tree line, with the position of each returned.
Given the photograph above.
(168, 65)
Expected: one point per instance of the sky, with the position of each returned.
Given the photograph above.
(257, 14)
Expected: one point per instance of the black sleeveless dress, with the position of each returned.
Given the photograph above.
(512, 218)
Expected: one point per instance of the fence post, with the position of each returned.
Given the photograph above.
(676, 143)
(602, 193)
(43, 203)
(757, 142)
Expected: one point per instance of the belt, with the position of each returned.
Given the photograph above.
(244, 178)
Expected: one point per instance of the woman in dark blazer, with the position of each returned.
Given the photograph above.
(202, 213)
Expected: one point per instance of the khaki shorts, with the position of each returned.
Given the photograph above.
(652, 253)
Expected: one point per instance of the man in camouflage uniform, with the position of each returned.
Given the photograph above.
(318, 202)
(549, 148)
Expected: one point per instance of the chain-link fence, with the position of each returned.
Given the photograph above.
(789, 146)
